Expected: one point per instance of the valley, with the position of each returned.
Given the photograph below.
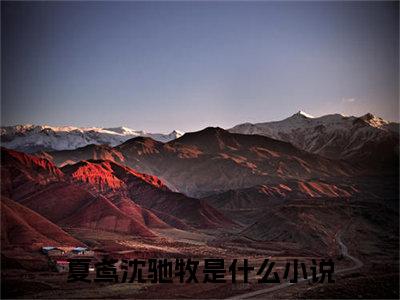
(208, 194)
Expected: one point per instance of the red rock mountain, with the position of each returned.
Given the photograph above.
(214, 160)
(122, 185)
(22, 227)
(21, 174)
(70, 205)
(99, 195)
(88, 152)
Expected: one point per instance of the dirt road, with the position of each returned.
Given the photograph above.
(344, 250)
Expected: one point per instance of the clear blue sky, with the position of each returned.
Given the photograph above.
(160, 66)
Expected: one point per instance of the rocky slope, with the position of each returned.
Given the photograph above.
(214, 160)
(334, 136)
(33, 138)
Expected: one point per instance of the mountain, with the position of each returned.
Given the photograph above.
(264, 195)
(40, 186)
(101, 195)
(34, 138)
(124, 186)
(72, 206)
(22, 174)
(333, 136)
(214, 160)
(300, 224)
(22, 227)
(92, 151)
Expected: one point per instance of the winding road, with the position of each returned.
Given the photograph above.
(344, 250)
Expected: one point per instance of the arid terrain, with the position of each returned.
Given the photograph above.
(199, 149)
(207, 194)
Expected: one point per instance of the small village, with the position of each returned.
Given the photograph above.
(58, 256)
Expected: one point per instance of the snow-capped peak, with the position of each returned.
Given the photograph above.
(303, 114)
(177, 133)
(32, 138)
(333, 135)
(123, 130)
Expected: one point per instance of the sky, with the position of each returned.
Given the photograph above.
(159, 66)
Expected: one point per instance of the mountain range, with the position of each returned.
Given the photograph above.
(334, 136)
(291, 188)
(213, 160)
(33, 138)
(97, 195)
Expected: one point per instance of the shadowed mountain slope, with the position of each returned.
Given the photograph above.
(20, 226)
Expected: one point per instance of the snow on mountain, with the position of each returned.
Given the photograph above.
(333, 136)
(33, 138)
(302, 113)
